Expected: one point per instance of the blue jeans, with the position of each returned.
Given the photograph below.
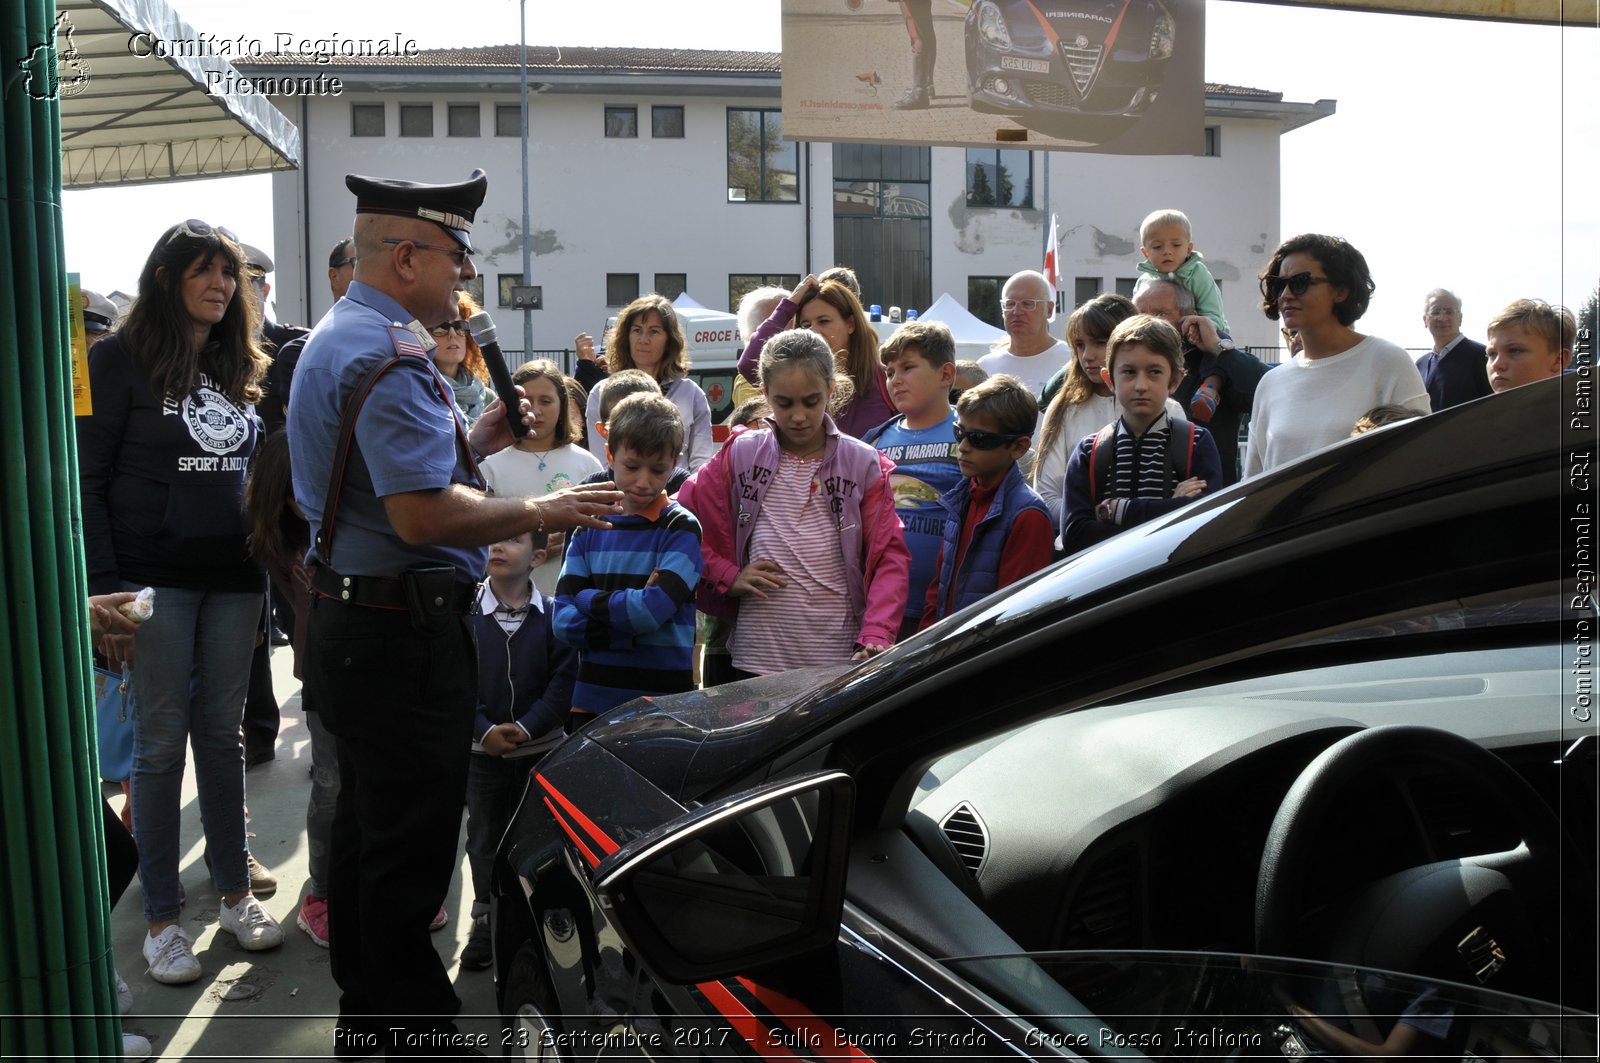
(191, 671)
(495, 786)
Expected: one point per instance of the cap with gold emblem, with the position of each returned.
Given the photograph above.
(451, 207)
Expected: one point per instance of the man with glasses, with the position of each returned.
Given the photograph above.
(387, 477)
(1453, 372)
(1031, 354)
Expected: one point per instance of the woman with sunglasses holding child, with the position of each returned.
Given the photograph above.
(1319, 286)
(163, 460)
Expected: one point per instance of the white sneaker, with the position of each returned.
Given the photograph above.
(124, 995)
(135, 1048)
(170, 955)
(251, 924)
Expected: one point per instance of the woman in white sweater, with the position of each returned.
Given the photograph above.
(1320, 286)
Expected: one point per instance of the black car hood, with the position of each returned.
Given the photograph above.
(687, 743)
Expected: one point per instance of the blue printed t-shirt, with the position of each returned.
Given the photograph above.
(925, 467)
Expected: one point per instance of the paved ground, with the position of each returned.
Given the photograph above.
(277, 1005)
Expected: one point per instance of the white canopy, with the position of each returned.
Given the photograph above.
(973, 336)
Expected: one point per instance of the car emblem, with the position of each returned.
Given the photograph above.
(1081, 42)
(1482, 954)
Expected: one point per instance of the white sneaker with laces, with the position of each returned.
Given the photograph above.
(170, 955)
(135, 1047)
(250, 923)
(124, 995)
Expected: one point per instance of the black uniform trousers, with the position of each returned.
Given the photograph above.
(401, 704)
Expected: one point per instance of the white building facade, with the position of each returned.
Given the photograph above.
(665, 170)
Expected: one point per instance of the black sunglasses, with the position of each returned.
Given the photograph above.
(987, 440)
(448, 327)
(457, 253)
(1299, 284)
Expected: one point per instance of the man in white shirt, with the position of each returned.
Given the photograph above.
(1031, 354)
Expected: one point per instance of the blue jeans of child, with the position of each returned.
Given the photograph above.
(495, 786)
(191, 670)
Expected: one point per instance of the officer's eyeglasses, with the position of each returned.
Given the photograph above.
(457, 253)
(986, 440)
(1024, 304)
(457, 326)
(1298, 285)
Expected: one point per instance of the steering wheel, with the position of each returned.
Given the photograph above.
(1420, 920)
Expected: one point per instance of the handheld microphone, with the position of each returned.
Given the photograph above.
(482, 328)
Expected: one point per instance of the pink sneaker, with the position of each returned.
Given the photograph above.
(313, 918)
(438, 920)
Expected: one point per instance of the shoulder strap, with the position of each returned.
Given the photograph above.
(1180, 447)
(341, 455)
(1102, 452)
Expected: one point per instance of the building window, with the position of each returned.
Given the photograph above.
(983, 299)
(1084, 289)
(621, 288)
(741, 284)
(474, 288)
(505, 282)
(882, 221)
(671, 285)
(666, 121)
(999, 178)
(1125, 286)
(366, 120)
(508, 119)
(1213, 140)
(622, 122)
(416, 119)
(463, 120)
(762, 166)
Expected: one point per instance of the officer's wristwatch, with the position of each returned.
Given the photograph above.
(1225, 344)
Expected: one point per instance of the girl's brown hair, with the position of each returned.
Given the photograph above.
(1097, 319)
(545, 369)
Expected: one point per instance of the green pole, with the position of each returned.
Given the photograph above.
(57, 996)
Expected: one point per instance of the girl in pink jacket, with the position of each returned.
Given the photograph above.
(799, 531)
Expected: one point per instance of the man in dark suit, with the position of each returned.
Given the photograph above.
(1456, 370)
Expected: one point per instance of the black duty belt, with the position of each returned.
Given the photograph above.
(385, 592)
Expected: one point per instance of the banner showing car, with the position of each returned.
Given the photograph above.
(1122, 77)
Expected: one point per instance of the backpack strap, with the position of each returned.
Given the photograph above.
(1181, 436)
(1102, 452)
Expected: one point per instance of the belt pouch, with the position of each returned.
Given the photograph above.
(429, 593)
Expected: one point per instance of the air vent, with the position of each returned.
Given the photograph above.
(968, 836)
(1104, 912)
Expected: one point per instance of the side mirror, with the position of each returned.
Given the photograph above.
(749, 880)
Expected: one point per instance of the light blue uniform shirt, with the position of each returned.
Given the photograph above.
(405, 439)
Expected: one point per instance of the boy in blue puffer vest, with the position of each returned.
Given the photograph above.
(525, 680)
(996, 527)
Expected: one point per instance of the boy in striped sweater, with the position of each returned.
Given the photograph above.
(625, 599)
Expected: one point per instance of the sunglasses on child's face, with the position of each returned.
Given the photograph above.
(1298, 285)
(986, 440)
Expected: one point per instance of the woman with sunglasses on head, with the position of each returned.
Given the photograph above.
(1319, 286)
(459, 361)
(163, 460)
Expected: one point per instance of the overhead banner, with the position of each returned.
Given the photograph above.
(1121, 77)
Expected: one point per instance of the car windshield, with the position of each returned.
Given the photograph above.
(1225, 1005)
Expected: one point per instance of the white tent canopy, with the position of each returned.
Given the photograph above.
(973, 336)
(145, 97)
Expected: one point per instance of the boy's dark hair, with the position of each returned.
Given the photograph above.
(1006, 401)
(1153, 334)
(932, 339)
(648, 425)
(1378, 416)
(620, 386)
(545, 369)
(750, 410)
(1344, 266)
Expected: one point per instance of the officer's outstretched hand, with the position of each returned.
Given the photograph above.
(491, 434)
(584, 506)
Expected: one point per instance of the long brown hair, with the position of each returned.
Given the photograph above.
(545, 369)
(269, 500)
(1097, 318)
(619, 353)
(159, 332)
(860, 361)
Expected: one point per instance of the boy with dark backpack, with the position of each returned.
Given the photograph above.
(1147, 462)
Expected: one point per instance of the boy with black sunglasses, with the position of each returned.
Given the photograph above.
(996, 528)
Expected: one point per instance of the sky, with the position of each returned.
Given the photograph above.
(1463, 154)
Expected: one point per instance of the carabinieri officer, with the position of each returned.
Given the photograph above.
(400, 525)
